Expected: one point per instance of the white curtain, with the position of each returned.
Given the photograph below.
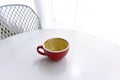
(97, 17)
(57, 13)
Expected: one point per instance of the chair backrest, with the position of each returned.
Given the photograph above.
(6, 31)
(17, 18)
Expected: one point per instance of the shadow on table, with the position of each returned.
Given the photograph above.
(49, 67)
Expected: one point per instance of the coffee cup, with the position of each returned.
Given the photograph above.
(54, 48)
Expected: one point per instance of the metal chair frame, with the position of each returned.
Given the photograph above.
(17, 18)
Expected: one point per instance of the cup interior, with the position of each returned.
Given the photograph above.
(56, 44)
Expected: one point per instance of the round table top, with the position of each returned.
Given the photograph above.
(89, 57)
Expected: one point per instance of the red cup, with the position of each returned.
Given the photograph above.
(54, 48)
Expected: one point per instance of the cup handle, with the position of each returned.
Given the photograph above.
(40, 47)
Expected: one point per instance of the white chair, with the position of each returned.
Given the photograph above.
(17, 18)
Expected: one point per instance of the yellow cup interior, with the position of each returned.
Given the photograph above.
(56, 44)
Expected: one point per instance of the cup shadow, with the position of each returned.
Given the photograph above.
(49, 67)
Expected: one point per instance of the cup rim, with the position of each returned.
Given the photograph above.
(56, 51)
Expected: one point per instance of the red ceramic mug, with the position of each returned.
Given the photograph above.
(54, 48)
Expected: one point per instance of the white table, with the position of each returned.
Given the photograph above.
(89, 58)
